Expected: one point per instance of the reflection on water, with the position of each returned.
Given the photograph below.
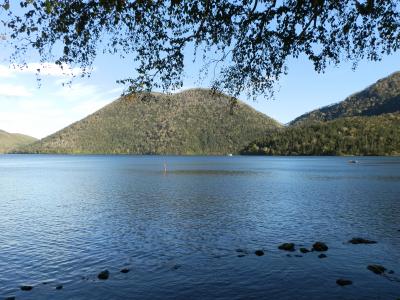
(66, 218)
(212, 172)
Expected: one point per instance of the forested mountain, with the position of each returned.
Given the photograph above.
(366, 123)
(375, 135)
(191, 122)
(380, 98)
(9, 141)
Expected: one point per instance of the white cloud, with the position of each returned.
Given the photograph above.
(47, 69)
(38, 112)
(51, 107)
(14, 90)
(6, 72)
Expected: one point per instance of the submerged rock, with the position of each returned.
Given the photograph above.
(320, 246)
(26, 287)
(59, 287)
(10, 298)
(298, 255)
(103, 275)
(377, 269)
(241, 255)
(259, 252)
(322, 255)
(343, 282)
(125, 270)
(287, 246)
(304, 250)
(391, 272)
(356, 241)
(176, 267)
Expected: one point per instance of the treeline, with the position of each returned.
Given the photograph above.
(375, 135)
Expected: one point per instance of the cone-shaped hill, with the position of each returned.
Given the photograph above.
(195, 121)
(380, 98)
(8, 141)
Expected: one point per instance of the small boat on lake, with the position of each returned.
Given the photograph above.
(353, 161)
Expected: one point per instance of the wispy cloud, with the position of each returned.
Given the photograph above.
(6, 72)
(13, 90)
(51, 107)
(47, 69)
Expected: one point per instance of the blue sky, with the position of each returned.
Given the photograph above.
(28, 109)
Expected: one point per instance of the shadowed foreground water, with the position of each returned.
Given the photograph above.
(66, 218)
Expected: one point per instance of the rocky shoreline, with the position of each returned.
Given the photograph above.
(318, 247)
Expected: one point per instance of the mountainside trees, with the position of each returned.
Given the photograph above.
(375, 135)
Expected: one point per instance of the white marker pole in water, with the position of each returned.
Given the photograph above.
(165, 167)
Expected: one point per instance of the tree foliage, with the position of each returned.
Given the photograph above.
(374, 135)
(9, 141)
(192, 122)
(246, 42)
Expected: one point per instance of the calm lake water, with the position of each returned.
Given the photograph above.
(66, 218)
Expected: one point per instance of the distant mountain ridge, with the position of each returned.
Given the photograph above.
(9, 141)
(365, 123)
(379, 98)
(196, 121)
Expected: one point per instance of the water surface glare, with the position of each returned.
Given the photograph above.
(191, 233)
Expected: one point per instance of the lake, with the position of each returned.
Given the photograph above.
(191, 233)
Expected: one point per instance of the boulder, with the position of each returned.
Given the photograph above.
(343, 282)
(320, 246)
(259, 252)
(26, 288)
(304, 250)
(103, 275)
(59, 287)
(322, 255)
(356, 241)
(287, 247)
(377, 269)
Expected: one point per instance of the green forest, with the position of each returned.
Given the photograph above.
(375, 135)
(196, 121)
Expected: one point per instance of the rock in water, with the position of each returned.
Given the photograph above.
(304, 250)
(377, 269)
(125, 270)
(320, 246)
(322, 256)
(287, 246)
(343, 282)
(59, 287)
(356, 241)
(26, 288)
(10, 298)
(259, 252)
(103, 275)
